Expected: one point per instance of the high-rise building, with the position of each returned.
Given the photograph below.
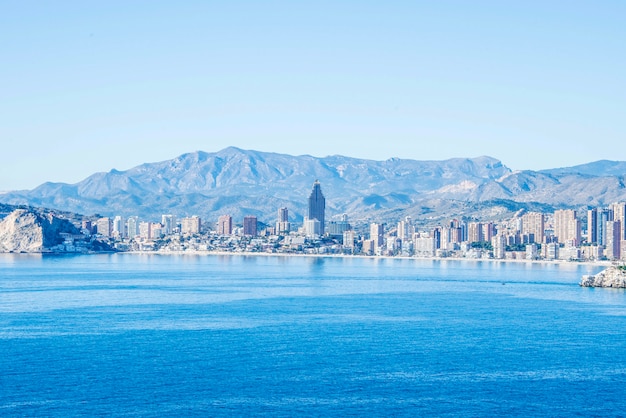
(499, 246)
(103, 226)
(249, 225)
(348, 239)
(317, 205)
(169, 223)
(337, 228)
(533, 226)
(190, 225)
(604, 216)
(283, 225)
(156, 230)
(145, 229)
(132, 227)
(283, 215)
(117, 229)
(613, 229)
(377, 234)
(312, 228)
(225, 225)
(592, 226)
(488, 231)
(619, 214)
(567, 227)
(406, 229)
(86, 226)
(474, 232)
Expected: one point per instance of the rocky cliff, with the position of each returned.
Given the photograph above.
(29, 231)
(614, 276)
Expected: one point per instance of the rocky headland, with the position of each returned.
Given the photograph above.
(614, 276)
(41, 231)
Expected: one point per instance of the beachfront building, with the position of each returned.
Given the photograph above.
(377, 234)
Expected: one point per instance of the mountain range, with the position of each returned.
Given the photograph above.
(244, 182)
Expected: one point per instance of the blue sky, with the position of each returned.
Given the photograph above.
(91, 86)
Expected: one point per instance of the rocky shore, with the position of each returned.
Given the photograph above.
(614, 276)
(41, 231)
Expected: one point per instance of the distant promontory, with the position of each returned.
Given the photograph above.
(42, 231)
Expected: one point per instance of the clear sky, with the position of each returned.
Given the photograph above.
(90, 86)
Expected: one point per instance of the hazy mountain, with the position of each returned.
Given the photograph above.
(602, 168)
(243, 182)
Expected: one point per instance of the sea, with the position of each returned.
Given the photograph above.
(233, 335)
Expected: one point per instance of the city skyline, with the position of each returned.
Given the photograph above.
(89, 88)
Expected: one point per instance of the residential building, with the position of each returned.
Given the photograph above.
(169, 224)
(567, 227)
(619, 214)
(533, 226)
(225, 225)
(613, 233)
(283, 226)
(250, 225)
(190, 225)
(377, 234)
(592, 226)
(103, 227)
(312, 228)
(474, 232)
(132, 226)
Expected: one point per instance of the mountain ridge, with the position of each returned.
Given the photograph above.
(248, 182)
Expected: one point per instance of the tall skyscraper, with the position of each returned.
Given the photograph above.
(317, 205)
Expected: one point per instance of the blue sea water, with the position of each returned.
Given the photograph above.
(149, 335)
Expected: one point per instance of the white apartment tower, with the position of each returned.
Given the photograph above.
(377, 234)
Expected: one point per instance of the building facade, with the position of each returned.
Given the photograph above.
(317, 205)
(250, 226)
(225, 225)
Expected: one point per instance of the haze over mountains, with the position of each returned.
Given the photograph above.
(241, 182)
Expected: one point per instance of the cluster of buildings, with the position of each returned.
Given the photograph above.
(564, 234)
